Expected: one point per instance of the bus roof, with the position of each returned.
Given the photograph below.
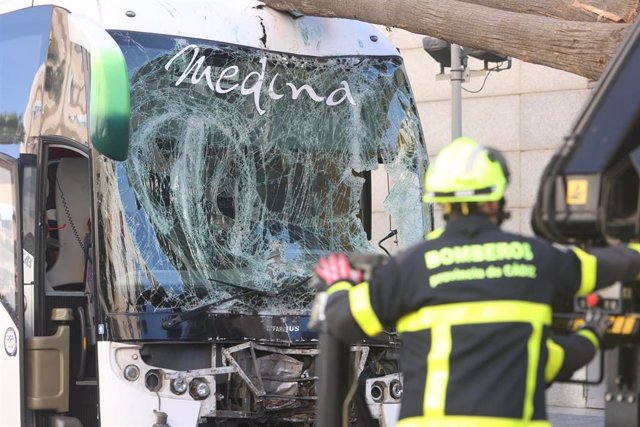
(242, 22)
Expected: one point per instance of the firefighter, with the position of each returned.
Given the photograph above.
(472, 303)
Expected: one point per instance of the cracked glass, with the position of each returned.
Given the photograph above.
(244, 167)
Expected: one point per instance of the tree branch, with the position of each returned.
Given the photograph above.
(582, 48)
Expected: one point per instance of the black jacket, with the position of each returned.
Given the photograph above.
(473, 306)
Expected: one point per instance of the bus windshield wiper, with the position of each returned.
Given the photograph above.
(246, 288)
(263, 292)
(178, 318)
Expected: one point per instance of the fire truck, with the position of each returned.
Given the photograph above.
(170, 172)
(589, 196)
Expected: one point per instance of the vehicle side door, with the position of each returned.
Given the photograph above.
(11, 297)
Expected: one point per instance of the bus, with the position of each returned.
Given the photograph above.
(170, 172)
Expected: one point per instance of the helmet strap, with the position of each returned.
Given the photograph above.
(502, 215)
(458, 209)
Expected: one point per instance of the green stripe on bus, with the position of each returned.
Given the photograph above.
(109, 109)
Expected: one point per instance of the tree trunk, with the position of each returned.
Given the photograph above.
(582, 48)
(570, 10)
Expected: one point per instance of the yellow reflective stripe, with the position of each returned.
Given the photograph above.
(438, 372)
(441, 318)
(463, 313)
(554, 361)
(469, 421)
(435, 233)
(588, 267)
(591, 336)
(339, 286)
(533, 350)
(361, 310)
(634, 246)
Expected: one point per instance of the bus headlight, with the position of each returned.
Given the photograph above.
(199, 389)
(179, 386)
(395, 389)
(131, 372)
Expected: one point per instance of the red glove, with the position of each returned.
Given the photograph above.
(337, 268)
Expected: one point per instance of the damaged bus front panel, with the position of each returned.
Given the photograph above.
(244, 167)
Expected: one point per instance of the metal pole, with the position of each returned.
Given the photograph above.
(456, 92)
(333, 385)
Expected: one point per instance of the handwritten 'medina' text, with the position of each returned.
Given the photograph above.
(252, 83)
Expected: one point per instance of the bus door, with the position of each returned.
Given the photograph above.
(11, 298)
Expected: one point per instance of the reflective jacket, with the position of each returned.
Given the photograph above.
(473, 306)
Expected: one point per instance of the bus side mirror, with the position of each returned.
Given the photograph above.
(109, 105)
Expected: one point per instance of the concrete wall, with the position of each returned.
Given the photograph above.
(525, 112)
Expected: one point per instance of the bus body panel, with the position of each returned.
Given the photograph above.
(247, 23)
(10, 355)
(65, 87)
(11, 299)
(126, 403)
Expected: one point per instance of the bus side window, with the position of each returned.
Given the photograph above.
(71, 218)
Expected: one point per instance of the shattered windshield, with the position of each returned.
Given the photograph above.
(244, 167)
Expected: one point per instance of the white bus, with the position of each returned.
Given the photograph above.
(170, 172)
